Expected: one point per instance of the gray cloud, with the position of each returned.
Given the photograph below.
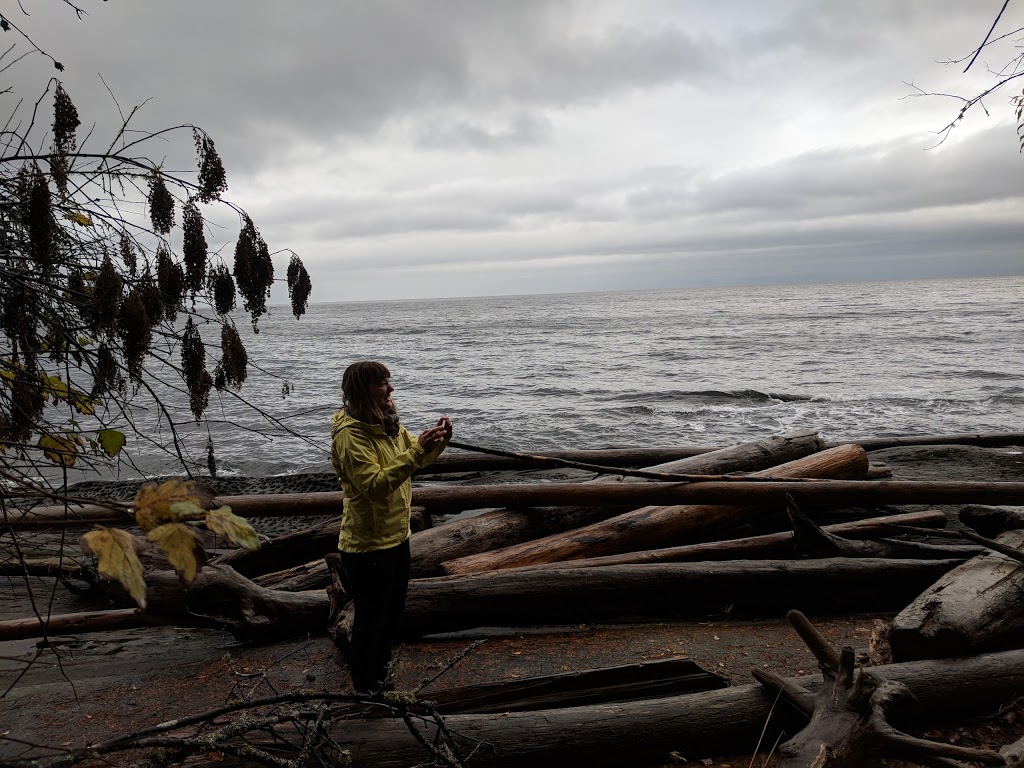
(463, 147)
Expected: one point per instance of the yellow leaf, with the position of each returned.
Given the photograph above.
(62, 450)
(115, 551)
(153, 501)
(79, 218)
(111, 441)
(182, 547)
(236, 529)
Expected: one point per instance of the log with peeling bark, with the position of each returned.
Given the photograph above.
(730, 721)
(977, 606)
(514, 598)
(657, 525)
(769, 545)
(503, 527)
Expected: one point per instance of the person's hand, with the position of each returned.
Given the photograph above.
(433, 438)
(445, 422)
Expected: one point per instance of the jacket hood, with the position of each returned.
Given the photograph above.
(342, 420)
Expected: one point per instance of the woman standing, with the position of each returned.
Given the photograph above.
(374, 457)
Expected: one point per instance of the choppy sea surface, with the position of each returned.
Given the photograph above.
(670, 367)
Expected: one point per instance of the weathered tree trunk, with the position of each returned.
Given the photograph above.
(222, 597)
(73, 624)
(986, 439)
(696, 725)
(513, 598)
(770, 545)
(644, 680)
(652, 526)
(977, 606)
(505, 527)
(849, 716)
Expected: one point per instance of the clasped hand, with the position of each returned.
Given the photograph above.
(437, 435)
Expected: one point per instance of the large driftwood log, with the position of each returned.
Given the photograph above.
(449, 499)
(769, 545)
(977, 606)
(505, 527)
(729, 721)
(752, 587)
(849, 716)
(219, 596)
(653, 526)
(73, 623)
(643, 680)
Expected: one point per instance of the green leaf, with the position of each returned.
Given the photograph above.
(111, 440)
(62, 450)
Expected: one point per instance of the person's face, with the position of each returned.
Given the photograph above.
(380, 393)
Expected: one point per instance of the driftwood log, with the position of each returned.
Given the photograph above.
(693, 725)
(504, 527)
(814, 541)
(657, 526)
(643, 680)
(976, 606)
(751, 587)
(440, 499)
(769, 545)
(849, 716)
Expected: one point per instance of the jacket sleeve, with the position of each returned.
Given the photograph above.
(425, 458)
(362, 468)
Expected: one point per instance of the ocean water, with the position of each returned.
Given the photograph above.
(670, 367)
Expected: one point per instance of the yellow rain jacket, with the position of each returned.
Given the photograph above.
(374, 470)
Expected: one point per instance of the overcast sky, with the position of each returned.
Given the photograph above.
(468, 147)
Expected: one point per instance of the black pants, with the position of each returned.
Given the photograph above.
(379, 581)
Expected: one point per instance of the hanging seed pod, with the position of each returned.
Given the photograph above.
(222, 286)
(128, 254)
(199, 395)
(27, 400)
(211, 459)
(193, 353)
(136, 333)
(299, 286)
(193, 247)
(234, 357)
(161, 205)
(107, 295)
(151, 297)
(104, 373)
(212, 179)
(65, 121)
(254, 271)
(40, 220)
(171, 279)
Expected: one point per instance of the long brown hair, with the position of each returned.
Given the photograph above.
(355, 392)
